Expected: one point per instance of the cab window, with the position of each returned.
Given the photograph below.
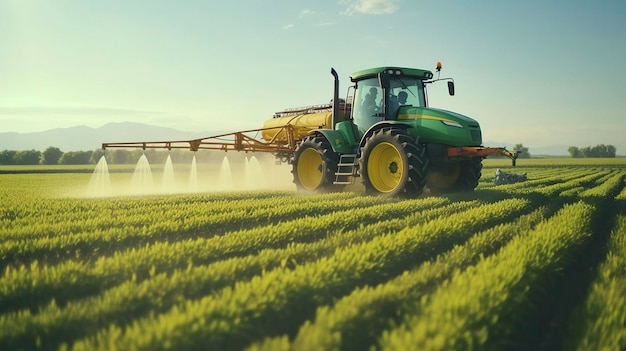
(368, 101)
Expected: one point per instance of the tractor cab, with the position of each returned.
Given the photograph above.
(380, 94)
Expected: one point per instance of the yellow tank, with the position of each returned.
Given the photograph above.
(303, 120)
(302, 124)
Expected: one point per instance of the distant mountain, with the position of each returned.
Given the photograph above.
(87, 138)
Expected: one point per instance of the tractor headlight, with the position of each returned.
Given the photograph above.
(452, 124)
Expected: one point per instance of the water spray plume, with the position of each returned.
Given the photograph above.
(232, 174)
(193, 175)
(254, 174)
(142, 182)
(100, 182)
(226, 179)
(168, 181)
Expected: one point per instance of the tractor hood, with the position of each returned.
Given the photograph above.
(453, 114)
(442, 126)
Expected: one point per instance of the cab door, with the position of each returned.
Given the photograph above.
(368, 104)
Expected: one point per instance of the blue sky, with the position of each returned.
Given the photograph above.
(534, 72)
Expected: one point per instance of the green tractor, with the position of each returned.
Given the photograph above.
(383, 133)
(386, 134)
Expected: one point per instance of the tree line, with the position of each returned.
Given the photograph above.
(54, 156)
(592, 152)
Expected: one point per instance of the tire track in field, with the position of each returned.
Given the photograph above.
(556, 302)
(570, 287)
(598, 323)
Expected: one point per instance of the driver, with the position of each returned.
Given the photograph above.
(402, 96)
(369, 103)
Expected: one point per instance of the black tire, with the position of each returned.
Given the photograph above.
(466, 172)
(392, 163)
(315, 165)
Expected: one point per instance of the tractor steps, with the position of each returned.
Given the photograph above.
(346, 169)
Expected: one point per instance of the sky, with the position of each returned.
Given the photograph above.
(536, 72)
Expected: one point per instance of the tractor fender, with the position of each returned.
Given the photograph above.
(382, 125)
(336, 139)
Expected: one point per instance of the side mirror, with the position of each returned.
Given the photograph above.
(451, 88)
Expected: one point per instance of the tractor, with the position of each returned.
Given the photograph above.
(386, 134)
(383, 132)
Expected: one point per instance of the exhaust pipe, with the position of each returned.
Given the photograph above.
(335, 97)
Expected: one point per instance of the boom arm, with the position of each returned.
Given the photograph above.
(283, 147)
(237, 141)
(465, 151)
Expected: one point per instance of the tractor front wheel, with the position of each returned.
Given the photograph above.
(392, 163)
(315, 165)
(460, 176)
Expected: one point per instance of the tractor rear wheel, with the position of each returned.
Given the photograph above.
(315, 165)
(392, 163)
(460, 176)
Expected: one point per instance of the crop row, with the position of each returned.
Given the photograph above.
(490, 305)
(160, 291)
(279, 300)
(32, 219)
(477, 308)
(600, 324)
(108, 230)
(537, 183)
(332, 271)
(31, 283)
(23, 211)
(354, 321)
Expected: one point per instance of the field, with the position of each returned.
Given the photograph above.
(537, 265)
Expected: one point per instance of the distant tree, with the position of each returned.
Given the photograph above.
(96, 155)
(600, 150)
(136, 154)
(27, 157)
(185, 156)
(124, 156)
(611, 151)
(7, 157)
(76, 158)
(574, 152)
(586, 151)
(157, 156)
(51, 156)
(524, 151)
(121, 156)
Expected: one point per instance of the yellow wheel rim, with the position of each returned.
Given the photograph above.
(385, 167)
(444, 177)
(310, 169)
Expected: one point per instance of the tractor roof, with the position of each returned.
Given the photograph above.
(414, 72)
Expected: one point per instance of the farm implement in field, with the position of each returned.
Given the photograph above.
(384, 132)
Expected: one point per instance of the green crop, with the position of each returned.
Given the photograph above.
(531, 265)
